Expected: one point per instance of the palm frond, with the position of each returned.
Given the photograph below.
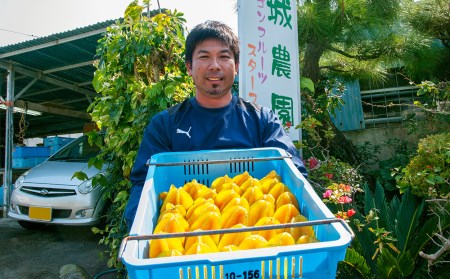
(406, 264)
(382, 206)
(364, 241)
(390, 266)
(408, 215)
(394, 207)
(357, 263)
(387, 265)
(369, 202)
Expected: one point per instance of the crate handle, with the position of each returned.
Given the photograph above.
(236, 160)
(232, 230)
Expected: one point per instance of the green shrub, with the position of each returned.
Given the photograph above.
(428, 173)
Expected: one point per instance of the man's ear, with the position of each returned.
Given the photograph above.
(189, 68)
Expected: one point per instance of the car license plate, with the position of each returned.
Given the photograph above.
(40, 213)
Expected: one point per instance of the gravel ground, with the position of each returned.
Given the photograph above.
(39, 254)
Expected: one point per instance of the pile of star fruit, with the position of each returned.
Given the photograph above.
(236, 202)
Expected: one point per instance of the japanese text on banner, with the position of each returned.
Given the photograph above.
(269, 70)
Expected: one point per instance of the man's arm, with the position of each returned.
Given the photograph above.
(153, 142)
(276, 136)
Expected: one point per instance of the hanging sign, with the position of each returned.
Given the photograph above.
(269, 71)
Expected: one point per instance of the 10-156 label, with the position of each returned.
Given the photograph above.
(249, 274)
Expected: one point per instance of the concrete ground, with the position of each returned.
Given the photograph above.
(40, 254)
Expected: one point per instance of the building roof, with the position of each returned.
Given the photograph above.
(53, 75)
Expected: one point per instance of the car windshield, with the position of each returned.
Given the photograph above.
(78, 150)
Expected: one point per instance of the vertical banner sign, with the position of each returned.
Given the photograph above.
(269, 71)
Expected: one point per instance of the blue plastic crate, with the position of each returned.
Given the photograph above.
(313, 260)
(55, 147)
(27, 162)
(57, 141)
(31, 151)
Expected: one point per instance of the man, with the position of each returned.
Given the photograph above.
(214, 118)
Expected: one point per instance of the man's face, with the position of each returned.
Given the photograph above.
(213, 69)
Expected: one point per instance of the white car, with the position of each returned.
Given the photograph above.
(47, 193)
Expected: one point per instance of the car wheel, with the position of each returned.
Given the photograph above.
(31, 225)
(104, 215)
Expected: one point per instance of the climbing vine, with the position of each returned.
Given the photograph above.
(139, 72)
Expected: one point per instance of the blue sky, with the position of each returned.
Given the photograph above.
(22, 20)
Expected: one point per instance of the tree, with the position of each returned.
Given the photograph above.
(358, 39)
(353, 40)
(432, 17)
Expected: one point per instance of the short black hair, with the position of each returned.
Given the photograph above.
(211, 29)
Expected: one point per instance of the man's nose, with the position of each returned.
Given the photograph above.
(214, 65)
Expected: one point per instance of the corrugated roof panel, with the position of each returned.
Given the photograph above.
(63, 62)
(56, 36)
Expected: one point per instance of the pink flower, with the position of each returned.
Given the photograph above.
(329, 175)
(327, 194)
(313, 162)
(351, 212)
(345, 199)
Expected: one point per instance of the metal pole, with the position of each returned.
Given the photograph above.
(7, 177)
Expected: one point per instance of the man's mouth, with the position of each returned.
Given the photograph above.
(214, 78)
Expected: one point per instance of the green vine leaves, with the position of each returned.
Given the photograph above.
(140, 71)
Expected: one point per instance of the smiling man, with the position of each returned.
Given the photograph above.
(214, 118)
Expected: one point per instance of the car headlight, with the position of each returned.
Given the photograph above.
(85, 187)
(20, 180)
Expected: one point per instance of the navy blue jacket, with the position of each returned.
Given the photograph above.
(189, 127)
